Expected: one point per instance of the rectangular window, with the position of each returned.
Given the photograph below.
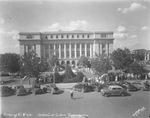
(62, 46)
(62, 36)
(46, 47)
(56, 36)
(29, 36)
(83, 46)
(82, 36)
(103, 35)
(88, 53)
(67, 36)
(67, 54)
(78, 46)
(88, 36)
(62, 54)
(51, 36)
(72, 36)
(83, 52)
(78, 53)
(72, 54)
(77, 36)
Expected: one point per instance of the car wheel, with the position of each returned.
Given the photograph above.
(106, 95)
(122, 94)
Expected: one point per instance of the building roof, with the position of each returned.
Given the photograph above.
(69, 32)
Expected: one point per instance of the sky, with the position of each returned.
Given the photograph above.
(128, 19)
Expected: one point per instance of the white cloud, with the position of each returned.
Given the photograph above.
(8, 40)
(73, 25)
(78, 25)
(133, 7)
(121, 29)
(120, 35)
(129, 43)
(133, 36)
(145, 28)
(2, 21)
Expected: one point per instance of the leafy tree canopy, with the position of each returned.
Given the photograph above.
(122, 59)
(136, 68)
(101, 64)
(32, 65)
(9, 62)
(54, 60)
(83, 61)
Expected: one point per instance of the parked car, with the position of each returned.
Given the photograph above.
(20, 90)
(6, 91)
(97, 86)
(129, 86)
(36, 89)
(52, 88)
(142, 85)
(83, 87)
(113, 90)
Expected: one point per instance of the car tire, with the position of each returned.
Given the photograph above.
(122, 94)
(106, 95)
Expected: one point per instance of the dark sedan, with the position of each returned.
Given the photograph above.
(83, 87)
(20, 90)
(6, 91)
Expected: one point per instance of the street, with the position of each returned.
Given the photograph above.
(84, 105)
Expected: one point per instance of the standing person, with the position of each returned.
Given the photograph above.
(71, 93)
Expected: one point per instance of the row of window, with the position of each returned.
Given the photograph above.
(68, 54)
(30, 36)
(67, 46)
(66, 36)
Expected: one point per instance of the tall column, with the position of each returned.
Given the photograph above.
(49, 50)
(106, 49)
(70, 50)
(64, 50)
(75, 50)
(54, 49)
(91, 51)
(26, 48)
(147, 56)
(59, 51)
(85, 49)
(100, 48)
(80, 50)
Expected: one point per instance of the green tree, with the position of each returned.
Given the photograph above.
(136, 68)
(139, 56)
(122, 59)
(68, 72)
(83, 61)
(101, 64)
(9, 62)
(54, 60)
(32, 65)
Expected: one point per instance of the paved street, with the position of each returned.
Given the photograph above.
(92, 105)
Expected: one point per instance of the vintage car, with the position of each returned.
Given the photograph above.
(6, 91)
(36, 89)
(52, 88)
(83, 87)
(142, 85)
(20, 90)
(97, 86)
(113, 90)
(129, 86)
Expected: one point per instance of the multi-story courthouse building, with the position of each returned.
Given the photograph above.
(67, 45)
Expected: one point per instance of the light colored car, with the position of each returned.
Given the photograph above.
(113, 90)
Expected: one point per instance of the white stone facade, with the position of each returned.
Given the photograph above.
(67, 45)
